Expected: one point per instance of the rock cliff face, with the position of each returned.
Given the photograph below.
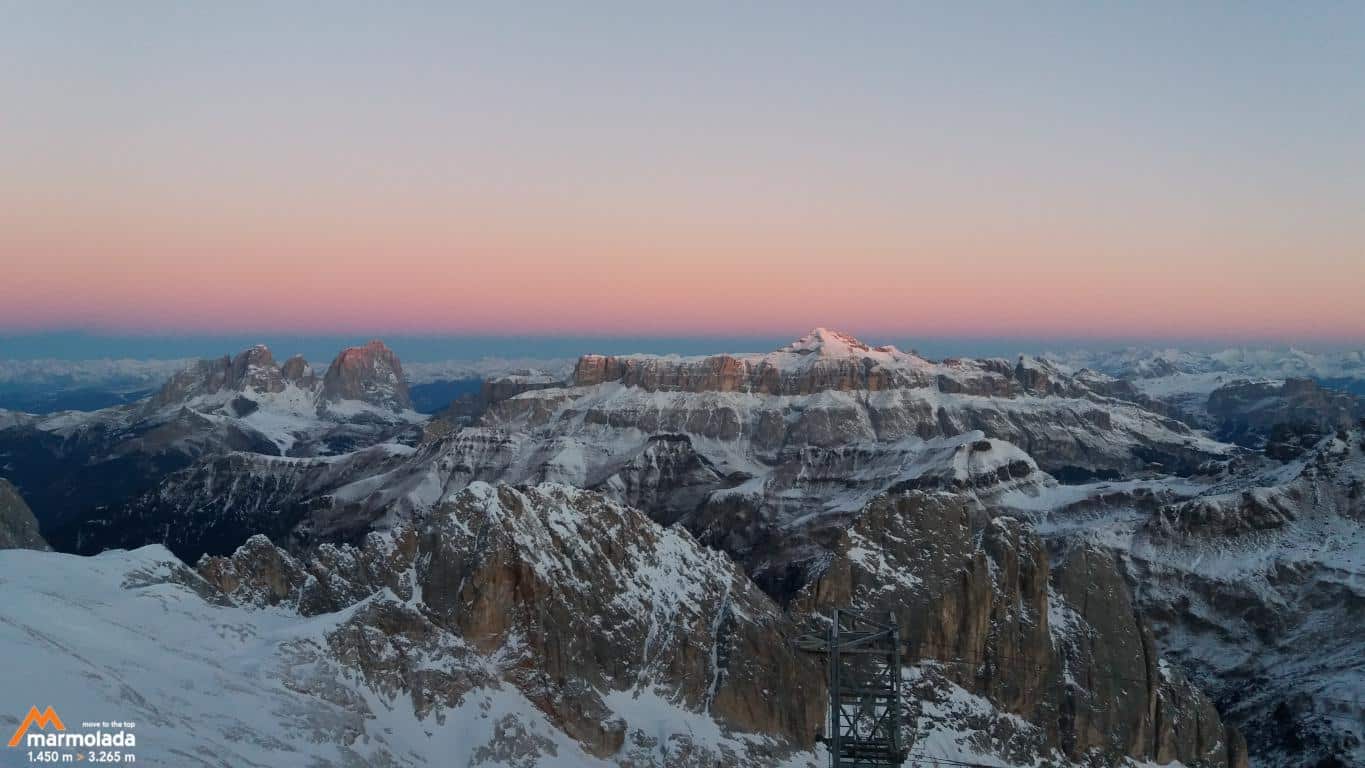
(252, 369)
(1258, 591)
(1249, 412)
(822, 360)
(370, 374)
(298, 372)
(216, 503)
(1063, 648)
(828, 390)
(593, 612)
(18, 526)
(467, 409)
(1250, 582)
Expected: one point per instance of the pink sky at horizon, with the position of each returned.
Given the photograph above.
(949, 173)
(319, 271)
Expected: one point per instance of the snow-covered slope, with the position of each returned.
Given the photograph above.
(1254, 582)
(82, 470)
(572, 633)
(1150, 363)
(1185, 379)
(136, 636)
(517, 627)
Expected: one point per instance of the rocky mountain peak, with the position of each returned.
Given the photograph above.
(255, 369)
(297, 370)
(251, 369)
(827, 343)
(371, 374)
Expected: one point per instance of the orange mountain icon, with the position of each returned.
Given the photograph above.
(43, 720)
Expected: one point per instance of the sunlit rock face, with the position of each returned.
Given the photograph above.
(370, 374)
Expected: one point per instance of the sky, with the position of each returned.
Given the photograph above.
(902, 170)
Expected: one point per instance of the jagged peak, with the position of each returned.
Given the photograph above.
(370, 373)
(255, 355)
(251, 370)
(374, 348)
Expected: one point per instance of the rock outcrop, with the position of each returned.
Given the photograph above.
(466, 410)
(588, 603)
(298, 372)
(370, 374)
(823, 360)
(18, 526)
(188, 466)
(1258, 591)
(1249, 412)
(1063, 648)
(253, 369)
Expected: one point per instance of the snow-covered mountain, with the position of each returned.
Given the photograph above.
(550, 626)
(1067, 546)
(1186, 378)
(485, 368)
(1252, 581)
(81, 471)
(769, 455)
(1149, 363)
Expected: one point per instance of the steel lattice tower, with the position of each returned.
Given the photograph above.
(864, 669)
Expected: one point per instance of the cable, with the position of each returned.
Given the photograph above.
(948, 761)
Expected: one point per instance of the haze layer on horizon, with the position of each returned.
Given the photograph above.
(320, 348)
(1159, 171)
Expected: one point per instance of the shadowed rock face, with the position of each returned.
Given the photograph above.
(1062, 648)
(251, 369)
(297, 371)
(465, 410)
(1257, 590)
(370, 374)
(18, 526)
(188, 466)
(1248, 412)
(1328, 479)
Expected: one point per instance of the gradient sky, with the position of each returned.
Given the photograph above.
(904, 170)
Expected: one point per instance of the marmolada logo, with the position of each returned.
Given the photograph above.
(40, 719)
(59, 737)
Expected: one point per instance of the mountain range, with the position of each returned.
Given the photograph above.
(1122, 559)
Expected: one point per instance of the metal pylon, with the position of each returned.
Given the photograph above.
(864, 673)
